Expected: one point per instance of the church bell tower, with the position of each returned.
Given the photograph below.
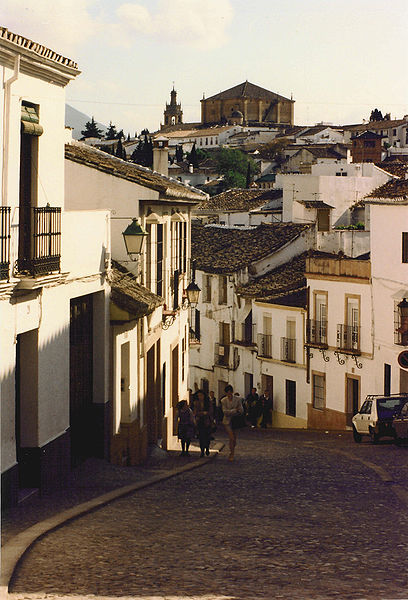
(173, 115)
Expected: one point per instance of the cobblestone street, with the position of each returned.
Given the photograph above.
(289, 519)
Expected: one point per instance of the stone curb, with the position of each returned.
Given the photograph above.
(14, 550)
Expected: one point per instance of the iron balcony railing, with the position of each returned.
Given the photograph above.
(244, 334)
(264, 345)
(45, 244)
(222, 355)
(316, 333)
(288, 350)
(348, 338)
(5, 212)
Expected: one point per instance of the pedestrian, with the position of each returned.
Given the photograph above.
(266, 406)
(186, 426)
(204, 421)
(252, 403)
(232, 409)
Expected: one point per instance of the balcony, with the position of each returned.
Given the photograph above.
(288, 350)
(4, 242)
(40, 241)
(348, 338)
(225, 356)
(316, 333)
(244, 334)
(264, 345)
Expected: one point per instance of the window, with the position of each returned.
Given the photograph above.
(149, 257)
(159, 260)
(394, 132)
(222, 289)
(323, 219)
(366, 408)
(183, 358)
(405, 246)
(387, 379)
(290, 398)
(207, 288)
(319, 391)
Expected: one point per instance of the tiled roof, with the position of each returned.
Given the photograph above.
(366, 135)
(395, 166)
(129, 295)
(394, 191)
(97, 159)
(247, 90)
(267, 177)
(284, 285)
(226, 250)
(314, 204)
(239, 199)
(377, 125)
(321, 152)
(36, 48)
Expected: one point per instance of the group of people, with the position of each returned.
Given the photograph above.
(202, 415)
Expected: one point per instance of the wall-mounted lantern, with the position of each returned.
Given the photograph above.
(134, 236)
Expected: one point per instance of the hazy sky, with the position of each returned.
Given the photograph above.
(339, 58)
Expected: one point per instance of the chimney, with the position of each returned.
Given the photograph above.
(161, 155)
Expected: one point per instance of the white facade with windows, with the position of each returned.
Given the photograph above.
(53, 288)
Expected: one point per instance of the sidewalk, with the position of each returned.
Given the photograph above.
(94, 478)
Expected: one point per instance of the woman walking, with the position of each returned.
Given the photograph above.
(186, 426)
(204, 420)
(232, 408)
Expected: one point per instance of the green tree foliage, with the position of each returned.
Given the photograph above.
(119, 149)
(91, 130)
(274, 150)
(192, 157)
(111, 134)
(143, 153)
(179, 153)
(235, 166)
(376, 115)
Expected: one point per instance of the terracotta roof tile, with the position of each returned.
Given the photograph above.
(227, 250)
(247, 90)
(395, 190)
(129, 295)
(97, 159)
(239, 199)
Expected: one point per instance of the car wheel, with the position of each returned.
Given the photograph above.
(374, 437)
(356, 436)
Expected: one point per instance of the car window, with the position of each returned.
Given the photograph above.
(366, 408)
(390, 406)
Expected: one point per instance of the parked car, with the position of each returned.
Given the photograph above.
(401, 426)
(376, 417)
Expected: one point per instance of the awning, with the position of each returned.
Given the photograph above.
(30, 122)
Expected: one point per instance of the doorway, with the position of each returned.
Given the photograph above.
(248, 383)
(291, 398)
(81, 377)
(267, 384)
(154, 401)
(175, 384)
(352, 399)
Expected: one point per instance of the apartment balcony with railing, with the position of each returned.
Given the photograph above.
(288, 349)
(39, 244)
(226, 356)
(316, 333)
(244, 334)
(5, 237)
(348, 338)
(264, 345)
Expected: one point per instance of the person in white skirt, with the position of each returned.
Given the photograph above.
(231, 407)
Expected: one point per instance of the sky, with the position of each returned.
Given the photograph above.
(339, 58)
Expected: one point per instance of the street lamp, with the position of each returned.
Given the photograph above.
(133, 237)
(192, 290)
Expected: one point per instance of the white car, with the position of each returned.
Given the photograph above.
(375, 417)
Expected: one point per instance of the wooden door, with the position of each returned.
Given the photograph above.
(291, 398)
(353, 399)
(175, 384)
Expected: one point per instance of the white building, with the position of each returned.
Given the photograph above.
(53, 289)
(149, 320)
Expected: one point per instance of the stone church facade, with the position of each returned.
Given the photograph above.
(257, 105)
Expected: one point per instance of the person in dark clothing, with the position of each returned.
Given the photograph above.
(265, 405)
(252, 402)
(186, 426)
(204, 421)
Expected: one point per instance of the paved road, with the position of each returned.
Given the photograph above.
(287, 520)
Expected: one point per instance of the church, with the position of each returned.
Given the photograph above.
(247, 104)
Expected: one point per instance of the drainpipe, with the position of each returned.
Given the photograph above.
(6, 124)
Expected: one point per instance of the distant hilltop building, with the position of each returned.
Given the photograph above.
(173, 115)
(247, 104)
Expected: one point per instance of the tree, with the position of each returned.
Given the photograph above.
(143, 153)
(376, 115)
(235, 166)
(179, 153)
(111, 134)
(248, 176)
(192, 157)
(91, 130)
(274, 150)
(119, 149)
